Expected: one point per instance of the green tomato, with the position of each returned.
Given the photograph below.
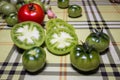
(19, 5)
(34, 59)
(63, 3)
(11, 19)
(54, 21)
(60, 41)
(60, 36)
(28, 34)
(54, 24)
(74, 11)
(8, 8)
(99, 40)
(14, 1)
(85, 58)
(1, 4)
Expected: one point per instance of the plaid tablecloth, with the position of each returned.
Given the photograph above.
(96, 13)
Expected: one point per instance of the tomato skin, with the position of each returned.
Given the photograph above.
(100, 42)
(8, 8)
(11, 19)
(31, 12)
(74, 11)
(84, 60)
(1, 4)
(34, 59)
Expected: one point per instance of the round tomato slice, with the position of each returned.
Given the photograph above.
(60, 41)
(28, 34)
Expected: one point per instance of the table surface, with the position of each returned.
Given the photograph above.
(96, 13)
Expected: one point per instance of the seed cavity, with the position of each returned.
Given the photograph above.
(28, 35)
(61, 39)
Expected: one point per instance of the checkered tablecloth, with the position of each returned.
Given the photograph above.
(96, 13)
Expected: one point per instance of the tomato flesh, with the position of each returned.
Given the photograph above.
(28, 34)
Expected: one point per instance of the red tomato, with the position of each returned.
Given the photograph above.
(31, 12)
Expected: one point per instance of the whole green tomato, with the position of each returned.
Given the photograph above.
(63, 3)
(19, 4)
(99, 40)
(13, 1)
(74, 11)
(11, 19)
(34, 59)
(8, 8)
(1, 4)
(85, 58)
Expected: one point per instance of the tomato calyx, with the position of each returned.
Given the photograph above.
(31, 7)
(98, 32)
(98, 39)
(87, 48)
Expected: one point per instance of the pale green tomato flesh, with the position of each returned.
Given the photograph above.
(61, 40)
(27, 34)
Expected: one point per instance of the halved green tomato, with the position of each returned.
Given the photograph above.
(61, 25)
(28, 34)
(57, 23)
(60, 41)
(54, 22)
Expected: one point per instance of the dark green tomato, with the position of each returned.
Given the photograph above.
(8, 8)
(11, 19)
(19, 5)
(74, 11)
(63, 3)
(100, 42)
(84, 59)
(34, 59)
